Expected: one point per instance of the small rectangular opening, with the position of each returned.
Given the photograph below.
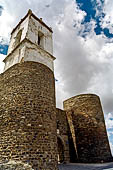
(18, 38)
(41, 39)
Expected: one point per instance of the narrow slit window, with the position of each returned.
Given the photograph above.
(41, 39)
(38, 40)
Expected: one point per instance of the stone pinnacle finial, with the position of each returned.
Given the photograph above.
(29, 11)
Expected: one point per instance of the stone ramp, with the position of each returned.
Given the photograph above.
(78, 166)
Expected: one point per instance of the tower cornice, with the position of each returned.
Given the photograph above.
(27, 40)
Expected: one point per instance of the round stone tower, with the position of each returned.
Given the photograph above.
(27, 97)
(87, 122)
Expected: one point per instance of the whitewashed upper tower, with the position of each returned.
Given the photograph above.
(31, 40)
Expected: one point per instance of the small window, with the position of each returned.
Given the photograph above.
(18, 38)
(57, 124)
(38, 40)
(41, 39)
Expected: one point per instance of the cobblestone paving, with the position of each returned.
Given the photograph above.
(107, 166)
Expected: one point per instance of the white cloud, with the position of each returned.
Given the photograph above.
(5, 21)
(109, 121)
(109, 126)
(108, 19)
(1, 63)
(85, 65)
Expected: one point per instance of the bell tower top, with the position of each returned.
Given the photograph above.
(31, 40)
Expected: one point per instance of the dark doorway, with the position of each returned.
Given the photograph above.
(60, 150)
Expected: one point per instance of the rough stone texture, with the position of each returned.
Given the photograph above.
(15, 165)
(62, 136)
(28, 116)
(89, 126)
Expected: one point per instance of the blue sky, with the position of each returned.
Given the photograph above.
(3, 47)
(90, 7)
(83, 45)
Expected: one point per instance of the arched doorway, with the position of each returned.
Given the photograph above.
(60, 150)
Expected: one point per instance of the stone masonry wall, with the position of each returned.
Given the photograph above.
(90, 131)
(28, 116)
(15, 165)
(62, 132)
